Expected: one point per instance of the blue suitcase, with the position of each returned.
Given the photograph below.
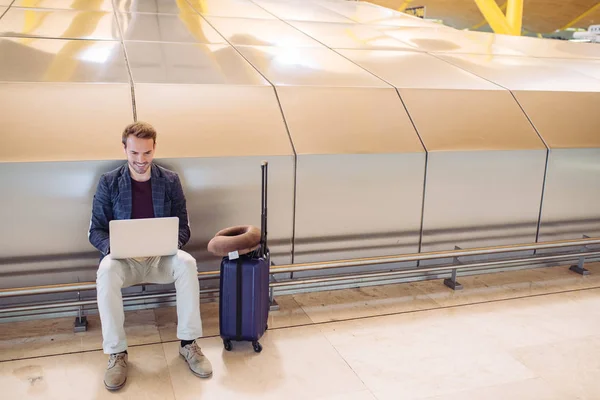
(244, 289)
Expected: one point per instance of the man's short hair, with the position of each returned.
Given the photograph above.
(141, 130)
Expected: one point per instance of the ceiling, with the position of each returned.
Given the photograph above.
(539, 16)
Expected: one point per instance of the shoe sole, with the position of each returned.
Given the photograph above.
(193, 372)
(113, 388)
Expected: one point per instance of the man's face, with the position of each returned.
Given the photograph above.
(140, 153)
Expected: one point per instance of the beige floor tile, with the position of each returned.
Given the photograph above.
(289, 314)
(553, 280)
(413, 356)
(530, 389)
(166, 319)
(38, 338)
(476, 289)
(339, 305)
(571, 367)
(55, 336)
(406, 329)
(80, 376)
(391, 373)
(462, 349)
(527, 321)
(510, 285)
(540, 319)
(512, 324)
(362, 395)
(594, 269)
(140, 328)
(296, 363)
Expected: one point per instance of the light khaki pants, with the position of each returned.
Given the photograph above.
(116, 274)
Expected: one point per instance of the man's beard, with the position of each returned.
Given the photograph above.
(140, 169)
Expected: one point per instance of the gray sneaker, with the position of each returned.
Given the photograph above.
(198, 363)
(116, 373)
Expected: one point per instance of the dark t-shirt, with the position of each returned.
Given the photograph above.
(141, 199)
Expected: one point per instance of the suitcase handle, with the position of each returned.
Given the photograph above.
(263, 215)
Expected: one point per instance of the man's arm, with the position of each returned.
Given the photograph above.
(180, 210)
(101, 216)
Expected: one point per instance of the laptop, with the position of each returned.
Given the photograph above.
(144, 237)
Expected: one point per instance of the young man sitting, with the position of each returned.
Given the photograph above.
(141, 189)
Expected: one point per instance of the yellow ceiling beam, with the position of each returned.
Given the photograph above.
(514, 15)
(404, 5)
(484, 22)
(585, 14)
(509, 24)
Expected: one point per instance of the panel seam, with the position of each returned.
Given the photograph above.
(122, 41)
(295, 155)
(539, 221)
(407, 113)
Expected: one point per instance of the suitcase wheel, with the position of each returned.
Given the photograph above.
(227, 344)
(257, 346)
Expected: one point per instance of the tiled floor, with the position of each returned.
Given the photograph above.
(525, 335)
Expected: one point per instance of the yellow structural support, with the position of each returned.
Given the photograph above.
(404, 5)
(514, 15)
(585, 14)
(484, 21)
(508, 25)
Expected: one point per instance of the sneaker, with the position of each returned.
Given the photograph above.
(116, 373)
(198, 363)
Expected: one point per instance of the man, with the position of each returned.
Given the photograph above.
(141, 189)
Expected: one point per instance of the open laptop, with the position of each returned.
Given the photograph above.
(145, 237)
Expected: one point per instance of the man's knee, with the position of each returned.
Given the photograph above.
(110, 270)
(186, 262)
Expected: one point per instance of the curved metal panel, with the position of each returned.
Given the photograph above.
(300, 11)
(154, 6)
(59, 199)
(410, 69)
(44, 96)
(65, 24)
(34, 115)
(220, 192)
(461, 120)
(49, 60)
(233, 109)
(226, 191)
(190, 64)
(482, 198)
(524, 73)
(367, 13)
(544, 48)
(325, 120)
(444, 40)
(565, 120)
(587, 67)
(97, 5)
(230, 8)
(568, 122)
(358, 205)
(344, 36)
(302, 66)
(571, 208)
(185, 27)
(248, 31)
(214, 120)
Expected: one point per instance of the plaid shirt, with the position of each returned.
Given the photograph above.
(113, 201)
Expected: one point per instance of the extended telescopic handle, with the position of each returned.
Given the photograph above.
(263, 220)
